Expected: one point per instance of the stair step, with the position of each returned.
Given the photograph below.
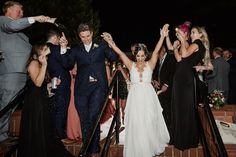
(116, 150)
(7, 145)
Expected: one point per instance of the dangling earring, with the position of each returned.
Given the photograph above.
(35, 57)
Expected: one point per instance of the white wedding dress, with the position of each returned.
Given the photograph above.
(146, 134)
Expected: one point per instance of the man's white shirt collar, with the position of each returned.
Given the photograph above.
(88, 47)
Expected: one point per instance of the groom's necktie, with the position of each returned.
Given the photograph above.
(159, 69)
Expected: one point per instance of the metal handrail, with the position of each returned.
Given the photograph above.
(14, 101)
(18, 98)
(218, 140)
(203, 140)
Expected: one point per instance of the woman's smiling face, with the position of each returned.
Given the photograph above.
(140, 57)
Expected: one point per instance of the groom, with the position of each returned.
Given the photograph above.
(91, 83)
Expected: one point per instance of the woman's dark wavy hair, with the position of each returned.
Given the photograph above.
(35, 52)
(34, 55)
(141, 47)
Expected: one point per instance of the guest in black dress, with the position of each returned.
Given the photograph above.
(184, 123)
(36, 136)
(123, 86)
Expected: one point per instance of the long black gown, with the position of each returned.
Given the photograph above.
(36, 137)
(184, 128)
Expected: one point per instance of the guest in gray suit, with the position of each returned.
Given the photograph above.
(218, 79)
(16, 49)
(228, 56)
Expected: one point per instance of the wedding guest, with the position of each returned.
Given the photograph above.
(232, 75)
(15, 47)
(184, 134)
(123, 83)
(57, 70)
(163, 81)
(36, 134)
(73, 121)
(219, 78)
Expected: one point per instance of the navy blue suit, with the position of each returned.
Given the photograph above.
(60, 101)
(90, 85)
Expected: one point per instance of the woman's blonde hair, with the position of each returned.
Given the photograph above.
(206, 43)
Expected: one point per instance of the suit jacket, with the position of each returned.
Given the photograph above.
(232, 82)
(167, 70)
(90, 65)
(218, 79)
(14, 44)
(232, 72)
(56, 68)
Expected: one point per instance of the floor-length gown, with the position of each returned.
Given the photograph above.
(146, 133)
(36, 134)
(184, 132)
(73, 128)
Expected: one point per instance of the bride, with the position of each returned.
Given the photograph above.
(146, 134)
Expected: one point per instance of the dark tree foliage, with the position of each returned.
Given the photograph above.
(69, 14)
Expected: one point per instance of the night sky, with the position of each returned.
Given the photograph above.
(140, 21)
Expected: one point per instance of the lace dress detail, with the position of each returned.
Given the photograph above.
(140, 71)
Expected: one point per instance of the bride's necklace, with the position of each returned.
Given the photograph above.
(140, 68)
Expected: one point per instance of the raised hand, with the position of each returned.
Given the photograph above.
(179, 35)
(108, 38)
(42, 59)
(164, 31)
(176, 44)
(63, 41)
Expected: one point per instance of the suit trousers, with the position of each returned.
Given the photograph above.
(88, 106)
(59, 104)
(10, 85)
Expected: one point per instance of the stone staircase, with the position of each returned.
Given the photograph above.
(116, 150)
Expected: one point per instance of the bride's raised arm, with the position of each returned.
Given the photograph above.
(125, 59)
(155, 53)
